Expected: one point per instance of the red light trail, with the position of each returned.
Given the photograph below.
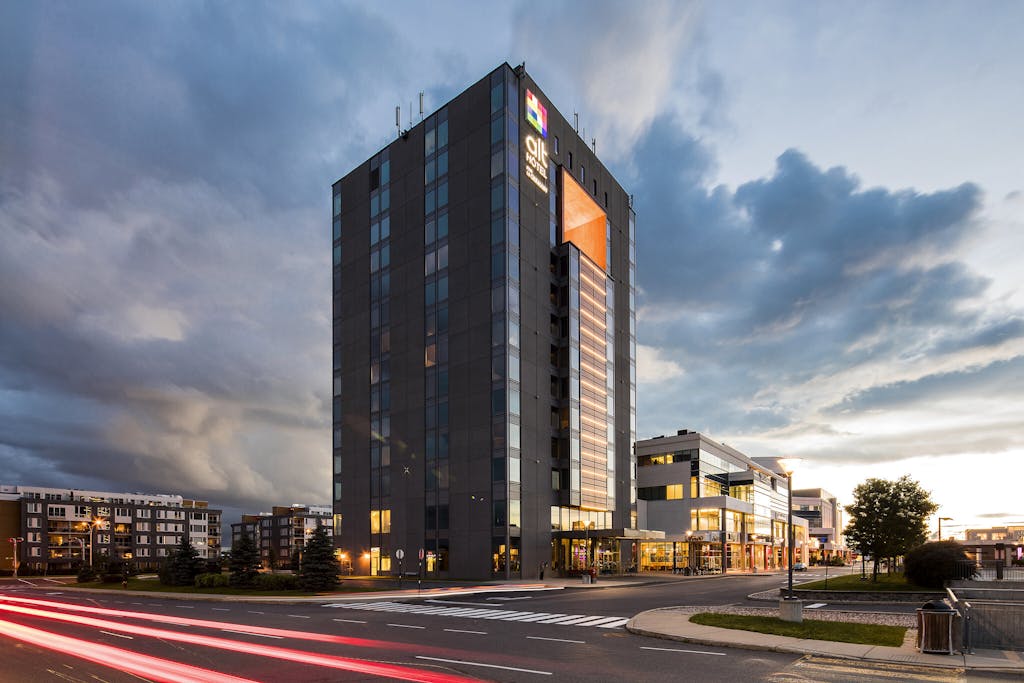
(152, 668)
(298, 656)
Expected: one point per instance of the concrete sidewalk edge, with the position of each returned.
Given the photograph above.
(731, 638)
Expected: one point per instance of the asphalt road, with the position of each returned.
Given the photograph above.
(568, 635)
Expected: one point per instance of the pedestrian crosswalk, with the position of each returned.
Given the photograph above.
(486, 613)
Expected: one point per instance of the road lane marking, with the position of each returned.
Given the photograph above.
(406, 626)
(184, 606)
(251, 612)
(525, 597)
(350, 621)
(817, 605)
(557, 640)
(250, 633)
(55, 593)
(489, 666)
(119, 635)
(220, 609)
(453, 602)
(298, 616)
(459, 630)
(691, 652)
(614, 624)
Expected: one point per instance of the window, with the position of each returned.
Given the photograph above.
(33, 523)
(556, 144)
(56, 511)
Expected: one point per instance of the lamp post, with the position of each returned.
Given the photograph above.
(790, 609)
(948, 519)
(14, 542)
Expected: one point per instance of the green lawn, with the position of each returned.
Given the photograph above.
(839, 631)
(852, 582)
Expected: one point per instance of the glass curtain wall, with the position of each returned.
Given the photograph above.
(435, 343)
(380, 363)
(506, 486)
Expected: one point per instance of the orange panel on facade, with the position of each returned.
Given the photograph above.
(583, 221)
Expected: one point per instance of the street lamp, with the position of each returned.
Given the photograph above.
(14, 542)
(790, 609)
(948, 519)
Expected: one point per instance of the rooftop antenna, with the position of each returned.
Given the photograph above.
(421, 105)
(576, 121)
(398, 118)
(410, 116)
(593, 144)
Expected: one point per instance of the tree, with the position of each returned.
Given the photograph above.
(319, 570)
(888, 518)
(183, 565)
(933, 564)
(244, 564)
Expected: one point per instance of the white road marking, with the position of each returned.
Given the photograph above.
(558, 640)
(55, 593)
(453, 602)
(249, 633)
(184, 606)
(119, 635)
(614, 624)
(251, 612)
(489, 666)
(220, 609)
(817, 605)
(350, 621)
(691, 652)
(406, 626)
(525, 597)
(459, 630)
(298, 616)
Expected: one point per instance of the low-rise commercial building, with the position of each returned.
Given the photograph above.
(62, 528)
(719, 509)
(281, 535)
(825, 519)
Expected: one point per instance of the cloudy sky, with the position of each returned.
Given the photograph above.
(830, 231)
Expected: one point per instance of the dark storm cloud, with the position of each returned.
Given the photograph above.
(247, 97)
(164, 276)
(1000, 378)
(790, 279)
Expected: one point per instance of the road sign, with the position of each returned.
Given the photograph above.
(421, 553)
(400, 553)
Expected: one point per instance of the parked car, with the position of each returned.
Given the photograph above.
(799, 567)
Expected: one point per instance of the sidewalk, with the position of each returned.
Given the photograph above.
(674, 624)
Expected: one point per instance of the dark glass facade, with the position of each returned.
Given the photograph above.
(484, 344)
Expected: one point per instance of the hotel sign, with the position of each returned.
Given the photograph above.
(536, 147)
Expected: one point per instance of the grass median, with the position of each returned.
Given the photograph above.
(896, 583)
(838, 631)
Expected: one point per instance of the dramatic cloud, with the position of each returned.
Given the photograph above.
(164, 282)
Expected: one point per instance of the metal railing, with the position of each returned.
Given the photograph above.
(991, 619)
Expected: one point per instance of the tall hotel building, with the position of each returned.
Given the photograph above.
(484, 346)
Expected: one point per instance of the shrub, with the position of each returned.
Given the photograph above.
(211, 580)
(933, 564)
(86, 574)
(836, 561)
(276, 582)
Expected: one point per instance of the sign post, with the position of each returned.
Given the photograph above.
(400, 554)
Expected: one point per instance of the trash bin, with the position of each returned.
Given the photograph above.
(935, 628)
(585, 577)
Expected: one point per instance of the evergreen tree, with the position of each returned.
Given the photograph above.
(888, 518)
(319, 570)
(244, 564)
(183, 564)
